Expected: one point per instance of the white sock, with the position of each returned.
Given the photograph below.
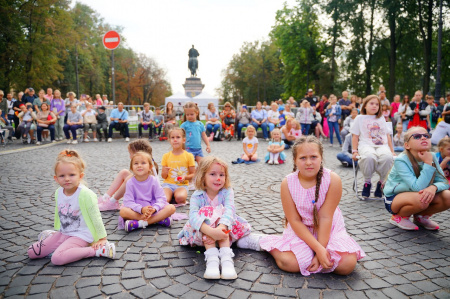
(106, 196)
(271, 156)
(143, 223)
(112, 199)
(275, 156)
(101, 251)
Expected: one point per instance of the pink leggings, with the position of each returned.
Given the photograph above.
(65, 249)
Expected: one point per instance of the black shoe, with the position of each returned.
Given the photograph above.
(99, 140)
(345, 163)
(25, 141)
(366, 190)
(379, 190)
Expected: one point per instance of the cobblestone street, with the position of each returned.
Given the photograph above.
(150, 263)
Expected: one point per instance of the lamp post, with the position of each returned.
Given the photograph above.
(437, 94)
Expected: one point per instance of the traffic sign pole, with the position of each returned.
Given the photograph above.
(111, 40)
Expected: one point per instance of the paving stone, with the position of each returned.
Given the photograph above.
(316, 284)
(21, 281)
(427, 286)
(111, 289)
(262, 288)
(89, 292)
(131, 274)
(153, 273)
(442, 294)
(86, 282)
(220, 291)
(16, 291)
(355, 294)
(107, 280)
(241, 284)
(249, 275)
(173, 272)
(185, 279)
(307, 293)
(39, 288)
(270, 279)
(377, 283)
(177, 290)
(333, 295)
(201, 285)
(144, 292)
(293, 282)
(161, 283)
(409, 289)
(64, 292)
(285, 292)
(336, 285)
(44, 279)
(393, 293)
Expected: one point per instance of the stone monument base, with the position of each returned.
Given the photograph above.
(193, 87)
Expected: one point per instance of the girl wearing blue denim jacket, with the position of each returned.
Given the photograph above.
(212, 218)
(333, 115)
(416, 184)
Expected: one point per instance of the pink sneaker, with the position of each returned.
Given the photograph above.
(100, 199)
(108, 205)
(211, 137)
(425, 222)
(403, 222)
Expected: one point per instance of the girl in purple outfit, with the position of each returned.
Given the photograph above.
(58, 108)
(144, 202)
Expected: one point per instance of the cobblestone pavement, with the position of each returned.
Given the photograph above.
(150, 262)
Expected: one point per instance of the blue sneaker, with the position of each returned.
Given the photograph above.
(166, 222)
(366, 190)
(379, 190)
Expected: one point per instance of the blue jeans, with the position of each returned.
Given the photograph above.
(399, 148)
(334, 126)
(73, 129)
(51, 128)
(271, 127)
(405, 124)
(288, 144)
(239, 129)
(263, 127)
(305, 129)
(112, 126)
(345, 157)
(212, 128)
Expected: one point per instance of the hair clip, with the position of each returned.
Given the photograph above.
(68, 154)
(313, 202)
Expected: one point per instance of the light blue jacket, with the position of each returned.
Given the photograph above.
(338, 111)
(402, 177)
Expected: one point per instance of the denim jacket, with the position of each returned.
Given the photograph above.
(199, 199)
(402, 177)
(338, 111)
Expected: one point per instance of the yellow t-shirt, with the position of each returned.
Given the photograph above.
(179, 166)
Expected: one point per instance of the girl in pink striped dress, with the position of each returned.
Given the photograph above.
(315, 234)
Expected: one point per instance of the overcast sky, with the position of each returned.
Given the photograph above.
(165, 30)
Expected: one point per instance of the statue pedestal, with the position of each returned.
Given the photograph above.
(193, 87)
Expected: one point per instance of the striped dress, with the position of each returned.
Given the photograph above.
(339, 240)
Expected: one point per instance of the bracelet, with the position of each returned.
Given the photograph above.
(354, 151)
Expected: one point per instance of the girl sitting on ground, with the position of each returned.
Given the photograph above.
(110, 200)
(80, 232)
(250, 144)
(416, 184)
(144, 202)
(372, 141)
(212, 219)
(315, 239)
(275, 148)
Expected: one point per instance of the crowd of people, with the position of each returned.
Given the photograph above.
(372, 131)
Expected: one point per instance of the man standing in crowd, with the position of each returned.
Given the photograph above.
(119, 121)
(345, 106)
(312, 99)
(29, 98)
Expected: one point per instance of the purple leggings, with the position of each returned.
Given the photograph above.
(65, 249)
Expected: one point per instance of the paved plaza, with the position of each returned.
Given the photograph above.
(150, 263)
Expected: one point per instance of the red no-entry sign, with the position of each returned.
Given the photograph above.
(111, 40)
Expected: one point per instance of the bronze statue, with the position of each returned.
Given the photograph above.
(193, 62)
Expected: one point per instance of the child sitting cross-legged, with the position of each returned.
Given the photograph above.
(416, 184)
(144, 202)
(276, 148)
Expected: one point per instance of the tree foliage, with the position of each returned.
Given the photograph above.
(44, 41)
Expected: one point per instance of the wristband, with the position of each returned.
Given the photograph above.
(354, 151)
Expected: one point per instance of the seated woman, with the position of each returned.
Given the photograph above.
(416, 184)
(244, 118)
(45, 121)
(286, 135)
(228, 116)
(212, 122)
(27, 126)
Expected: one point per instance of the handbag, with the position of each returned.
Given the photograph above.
(90, 119)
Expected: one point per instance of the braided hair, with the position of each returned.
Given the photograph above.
(299, 142)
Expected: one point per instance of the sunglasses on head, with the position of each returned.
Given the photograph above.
(419, 136)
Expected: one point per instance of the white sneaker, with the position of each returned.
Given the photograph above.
(38, 143)
(127, 139)
(276, 162)
(53, 141)
(108, 250)
(86, 140)
(212, 264)
(226, 261)
(69, 141)
(250, 241)
(270, 162)
(95, 139)
(75, 142)
(331, 145)
(109, 139)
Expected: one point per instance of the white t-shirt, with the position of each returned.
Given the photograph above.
(291, 114)
(147, 116)
(250, 144)
(372, 131)
(273, 115)
(212, 115)
(72, 221)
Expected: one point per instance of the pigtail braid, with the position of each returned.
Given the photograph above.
(315, 213)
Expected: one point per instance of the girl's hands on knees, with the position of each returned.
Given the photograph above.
(427, 194)
(324, 258)
(218, 233)
(100, 243)
(314, 264)
(207, 240)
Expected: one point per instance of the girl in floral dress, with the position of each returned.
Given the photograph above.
(212, 219)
